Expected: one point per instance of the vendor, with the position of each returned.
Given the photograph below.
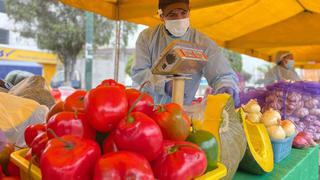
(284, 69)
(176, 25)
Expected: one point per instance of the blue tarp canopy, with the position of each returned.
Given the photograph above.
(7, 66)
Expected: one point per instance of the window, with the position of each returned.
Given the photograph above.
(2, 8)
(4, 36)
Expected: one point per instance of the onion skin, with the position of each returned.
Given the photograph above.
(288, 127)
(276, 132)
(252, 106)
(270, 117)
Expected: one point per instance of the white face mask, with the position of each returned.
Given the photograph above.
(177, 27)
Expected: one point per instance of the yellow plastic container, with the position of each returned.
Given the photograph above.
(18, 159)
(218, 173)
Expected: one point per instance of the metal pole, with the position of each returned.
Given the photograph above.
(89, 50)
(117, 50)
(117, 46)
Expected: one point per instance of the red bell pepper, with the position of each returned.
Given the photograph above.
(32, 131)
(179, 160)
(105, 107)
(173, 121)
(39, 144)
(56, 108)
(69, 157)
(70, 123)
(75, 102)
(139, 133)
(111, 82)
(123, 165)
(144, 105)
(109, 145)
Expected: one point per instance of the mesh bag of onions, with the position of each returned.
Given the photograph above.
(298, 102)
(253, 93)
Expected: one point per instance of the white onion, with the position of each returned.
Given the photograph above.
(276, 132)
(254, 117)
(252, 106)
(288, 127)
(270, 117)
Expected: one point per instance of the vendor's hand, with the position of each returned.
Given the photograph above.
(232, 92)
(168, 88)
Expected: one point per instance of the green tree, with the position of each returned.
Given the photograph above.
(129, 65)
(61, 29)
(263, 70)
(234, 58)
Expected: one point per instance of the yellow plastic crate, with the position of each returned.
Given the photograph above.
(218, 173)
(18, 159)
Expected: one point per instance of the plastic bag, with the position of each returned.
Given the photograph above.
(16, 114)
(34, 88)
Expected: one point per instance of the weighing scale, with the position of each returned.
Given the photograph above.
(178, 61)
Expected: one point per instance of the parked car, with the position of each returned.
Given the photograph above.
(58, 79)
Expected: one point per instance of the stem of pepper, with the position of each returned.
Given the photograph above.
(194, 130)
(68, 145)
(19, 147)
(130, 118)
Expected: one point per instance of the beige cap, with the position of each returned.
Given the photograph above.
(167, 7)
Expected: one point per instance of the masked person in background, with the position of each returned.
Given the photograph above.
(284, 69)
(176, 26)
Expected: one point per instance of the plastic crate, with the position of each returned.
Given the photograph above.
(281, 148)
(218, 173)
(18, 159)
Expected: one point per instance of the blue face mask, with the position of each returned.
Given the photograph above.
(290, 64)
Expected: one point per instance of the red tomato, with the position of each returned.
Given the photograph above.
(72, 158)
(32, 131)
(75, 102)
(111, 82)
(109, 145)
(179, 160)
(174, 123)
(105, 107)
(13, 170)
(140, 134)
(56, 108)
(39, 143)
(70, 123)
(123, 165)
(145, 105)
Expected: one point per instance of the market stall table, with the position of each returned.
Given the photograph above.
(300, 164)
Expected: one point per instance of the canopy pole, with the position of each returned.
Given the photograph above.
(89, 50)
(117, 45)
